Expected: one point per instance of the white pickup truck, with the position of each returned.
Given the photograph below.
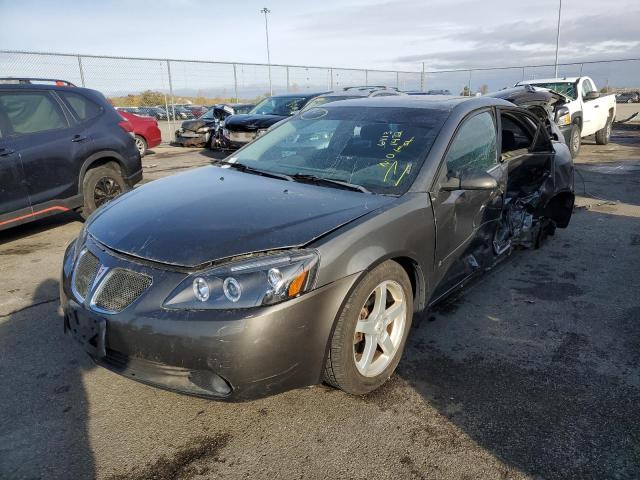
(586, 111)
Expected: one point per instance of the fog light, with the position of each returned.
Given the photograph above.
(231, 289)
(201, 289)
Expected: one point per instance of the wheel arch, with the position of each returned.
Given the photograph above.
(97, 160)
(560, 208)
(577, 120)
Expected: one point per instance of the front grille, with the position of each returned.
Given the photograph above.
(120, 289)
(85, 273)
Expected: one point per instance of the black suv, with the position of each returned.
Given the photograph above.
(61, 148)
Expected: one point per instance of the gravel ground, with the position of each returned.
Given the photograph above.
(533, 372)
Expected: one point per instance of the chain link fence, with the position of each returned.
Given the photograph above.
(173, 81)
(615, 75)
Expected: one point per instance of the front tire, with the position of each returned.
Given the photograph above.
(101, 185)
(371, 331)
(575, 140)
(603, 135)
(141, 145)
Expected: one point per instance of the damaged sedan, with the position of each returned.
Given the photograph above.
(206, 129)
(303, 257)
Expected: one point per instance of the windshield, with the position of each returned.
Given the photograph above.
(208, 115)
(381, 149)
(565, 88)
(283, 106)
(242, 108)
(316, 102)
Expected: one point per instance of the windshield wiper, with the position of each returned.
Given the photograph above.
(304, 177)
(255, 171)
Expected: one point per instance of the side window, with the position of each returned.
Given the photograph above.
(82, 107)
(515, 135)
(31, 112)
(474, 148)
(587, 87)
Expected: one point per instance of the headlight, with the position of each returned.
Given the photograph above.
(202, 130)
(80, 241)
(261, 132)
(563, 117)
(261, 280)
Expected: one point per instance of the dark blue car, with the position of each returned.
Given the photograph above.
(61, 148)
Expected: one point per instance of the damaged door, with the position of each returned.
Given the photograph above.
(467, 201)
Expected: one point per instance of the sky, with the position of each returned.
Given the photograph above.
(347, 33)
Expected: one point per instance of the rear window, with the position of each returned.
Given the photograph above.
(31, 112)
(82, 107)
(565, 88)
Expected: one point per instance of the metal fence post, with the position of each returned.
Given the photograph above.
(397, 79)
(173, 107)
(523, 74)
(235, 83)
(81, 71)
(469, 84)
(581, 65)
(287, 70)
(366, 78)
(422, 78)
(331, 75)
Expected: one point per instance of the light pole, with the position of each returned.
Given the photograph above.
(558, 37)
(266, 11)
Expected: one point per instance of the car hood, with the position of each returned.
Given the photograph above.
(211, 213)
(194, 125)
(250, 122)
(526, 96)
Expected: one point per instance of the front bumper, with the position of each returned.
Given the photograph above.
(187, 138)
(233, 140)
(566, 133)
(231, 355)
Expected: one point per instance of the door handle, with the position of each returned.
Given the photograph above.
(5, 152)
(78, 138)
(596, 106)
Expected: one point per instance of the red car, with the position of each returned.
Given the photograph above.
(145, 129)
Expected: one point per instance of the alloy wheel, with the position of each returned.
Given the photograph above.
(106, 189)
(140, 145)
(575, 141)
(380, 329)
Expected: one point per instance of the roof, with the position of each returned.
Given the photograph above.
(551, 80)
(298, 95)
(427, 102)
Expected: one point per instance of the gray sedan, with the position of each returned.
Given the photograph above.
(304, 256)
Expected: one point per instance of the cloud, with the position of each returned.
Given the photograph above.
(585, 38)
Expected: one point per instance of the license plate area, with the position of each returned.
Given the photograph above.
(90, 332)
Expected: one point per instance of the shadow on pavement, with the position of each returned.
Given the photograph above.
(43, 406)
(551, 385)
(37, 226)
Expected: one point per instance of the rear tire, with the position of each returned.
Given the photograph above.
(603, 135)
(575, 140)
(371, 331)
(141, 145)
(101, 185)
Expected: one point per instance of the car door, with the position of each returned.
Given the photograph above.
(594, 115)
(49, 142)
(466, 219)
(14, 197)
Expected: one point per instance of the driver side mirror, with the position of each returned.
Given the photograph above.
(470, 181)
(592, 95)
